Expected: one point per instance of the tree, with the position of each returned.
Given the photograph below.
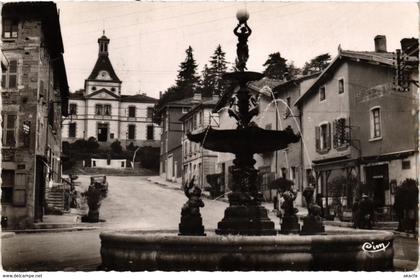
(186, 84)
(217, 69)
(116, 147)
(206, 89)
(317, 64)
(187, 80)
(276, 66)
(292, 71)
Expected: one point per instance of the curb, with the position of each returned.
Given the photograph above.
(7, 234)
(54, 230)
(405, 234)
(405, 265)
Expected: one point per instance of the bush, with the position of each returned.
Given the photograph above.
(79, 145)
(406, 196)
(149, 157)
(68, 164)
(281, 184)
(65, 146)
(116, 147)
(131, 147)
(92, 144)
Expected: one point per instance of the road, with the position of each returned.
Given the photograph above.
(132, 203)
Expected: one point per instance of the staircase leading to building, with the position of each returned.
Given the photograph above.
(55, 199)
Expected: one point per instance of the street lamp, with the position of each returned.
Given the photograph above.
(134, 156)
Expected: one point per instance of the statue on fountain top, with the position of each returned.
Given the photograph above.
(242, 46)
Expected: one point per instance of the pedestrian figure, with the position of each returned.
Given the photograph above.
(355, 214)
(275, 202)
(366, 209)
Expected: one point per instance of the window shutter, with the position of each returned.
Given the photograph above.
(317, 139)
(328, 143)
(335, 135)
(347, 132)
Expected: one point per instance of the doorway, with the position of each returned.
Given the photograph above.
(377, 180)
(102, 132)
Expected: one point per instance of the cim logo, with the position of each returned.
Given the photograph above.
(373, 248)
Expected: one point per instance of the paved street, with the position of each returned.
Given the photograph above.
(132, 203)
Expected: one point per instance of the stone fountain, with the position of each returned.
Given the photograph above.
(246, 239)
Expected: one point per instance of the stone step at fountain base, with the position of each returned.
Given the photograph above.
(242, 220)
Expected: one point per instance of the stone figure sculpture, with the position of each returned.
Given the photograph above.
(312, 223)
(191, 221)
(242, 46)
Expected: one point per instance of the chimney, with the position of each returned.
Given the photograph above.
(160, 94)
(196, 97)
(380, 43)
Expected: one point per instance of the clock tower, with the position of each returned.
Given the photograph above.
(103, 77)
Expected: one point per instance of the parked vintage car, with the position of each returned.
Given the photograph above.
(100, 183)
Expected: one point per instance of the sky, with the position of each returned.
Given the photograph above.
(149, 39)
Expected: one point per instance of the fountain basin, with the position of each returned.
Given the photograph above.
(165, 250)
(250, 139)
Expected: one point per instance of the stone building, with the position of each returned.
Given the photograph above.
(34, 99)
(358, 127)
(170, 167)
(197, 161)
(101, 111)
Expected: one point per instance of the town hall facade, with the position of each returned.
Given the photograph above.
(102, 112)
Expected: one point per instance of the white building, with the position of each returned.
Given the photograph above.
(101, 111)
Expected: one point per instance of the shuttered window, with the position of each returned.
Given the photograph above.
(323, 138)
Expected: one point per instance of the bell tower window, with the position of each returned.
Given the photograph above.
(103, 44)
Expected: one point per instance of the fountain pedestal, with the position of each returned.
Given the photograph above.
(246, 220)
(290, 225)
(312, 225)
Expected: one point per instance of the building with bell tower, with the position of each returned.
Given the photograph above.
(101, 111)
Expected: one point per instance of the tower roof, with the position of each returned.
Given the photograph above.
(103, 62)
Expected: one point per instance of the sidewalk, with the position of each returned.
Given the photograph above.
(67, 222)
